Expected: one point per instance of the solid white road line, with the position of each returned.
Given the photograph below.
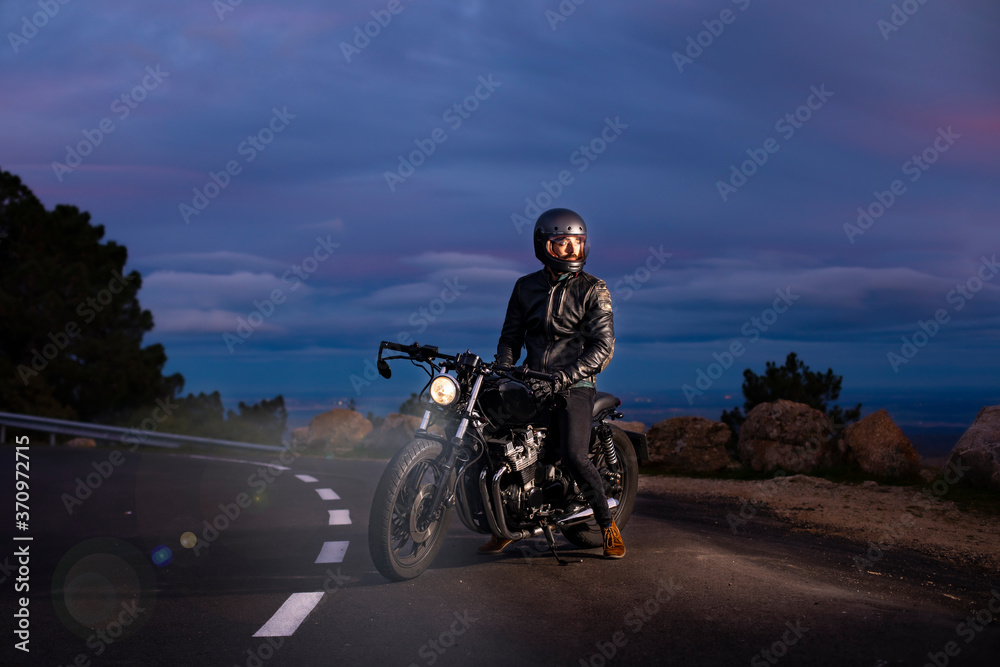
(340, 517)
(253, 463)
(291, 614)
(327, 494)
(332, 552)
(307, 478)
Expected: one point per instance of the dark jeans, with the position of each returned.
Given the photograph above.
(572, 427)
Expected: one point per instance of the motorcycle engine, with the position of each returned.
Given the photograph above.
(520, 453)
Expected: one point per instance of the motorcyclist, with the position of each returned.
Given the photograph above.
(562, 316)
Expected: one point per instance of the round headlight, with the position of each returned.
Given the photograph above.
(444, 390)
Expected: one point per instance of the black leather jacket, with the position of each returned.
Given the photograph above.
(566, 325)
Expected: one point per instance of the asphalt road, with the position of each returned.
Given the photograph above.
(113, 580)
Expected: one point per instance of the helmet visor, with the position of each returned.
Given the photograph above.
(567, 247)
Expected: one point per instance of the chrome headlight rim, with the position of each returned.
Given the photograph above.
(444, 390)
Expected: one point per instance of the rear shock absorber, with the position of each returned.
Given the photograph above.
(604, 434)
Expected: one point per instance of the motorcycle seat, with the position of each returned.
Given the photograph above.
(604, 401)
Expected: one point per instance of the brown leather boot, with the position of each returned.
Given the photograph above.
(613, 545)
(495, 545)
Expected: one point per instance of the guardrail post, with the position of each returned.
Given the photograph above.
(52, 439)
(3, 434)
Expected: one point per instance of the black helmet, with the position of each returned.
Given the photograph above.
(561, 240)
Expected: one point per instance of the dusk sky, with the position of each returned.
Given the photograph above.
(386, 185)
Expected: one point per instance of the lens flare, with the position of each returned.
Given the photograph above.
(162, 555)
(188, 540)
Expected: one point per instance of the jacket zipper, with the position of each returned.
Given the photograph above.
(548, 328)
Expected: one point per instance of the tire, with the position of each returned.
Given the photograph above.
(588, 535)
(401, 544)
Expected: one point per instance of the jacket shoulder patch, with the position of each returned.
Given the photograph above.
(603, 296)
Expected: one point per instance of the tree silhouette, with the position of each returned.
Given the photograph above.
(71, 340)
(792, 382)
(72, 329)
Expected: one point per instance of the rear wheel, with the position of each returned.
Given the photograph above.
(622, 486)
(404, 535)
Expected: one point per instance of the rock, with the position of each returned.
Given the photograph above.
(81, 442)
(978, 451)
(299, 436)
(788, 436)
(879, 448)
(689, 444)
(395, 431)
(636, 427)
(338, 430)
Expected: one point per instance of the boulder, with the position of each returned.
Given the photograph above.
(338, 430)
(879, 448)
(787, 436)
(299, 436)
(81, 442)
(689, 444)
(978, 451)
(636, 427)
(395, 431)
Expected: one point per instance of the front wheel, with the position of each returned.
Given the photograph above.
(404, 533)
(622, 487)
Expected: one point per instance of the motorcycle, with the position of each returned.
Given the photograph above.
(495, 465)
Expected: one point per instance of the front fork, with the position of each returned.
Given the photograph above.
(436, 507)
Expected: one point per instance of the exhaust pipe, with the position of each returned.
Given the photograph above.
(582, 515)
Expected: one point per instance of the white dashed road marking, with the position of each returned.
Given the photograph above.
(327, 494)
(291, 614)
(340, 517)
(332, 552)
(307, 478)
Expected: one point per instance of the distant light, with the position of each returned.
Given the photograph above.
(188, 540)
(162, 555)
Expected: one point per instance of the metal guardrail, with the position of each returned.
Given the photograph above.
(127, 436)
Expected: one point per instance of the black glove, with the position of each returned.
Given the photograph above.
(545, 390)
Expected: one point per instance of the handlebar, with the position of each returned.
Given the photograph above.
(525, 372)
(420, 352)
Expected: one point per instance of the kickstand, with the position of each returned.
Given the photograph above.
(547, 529)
